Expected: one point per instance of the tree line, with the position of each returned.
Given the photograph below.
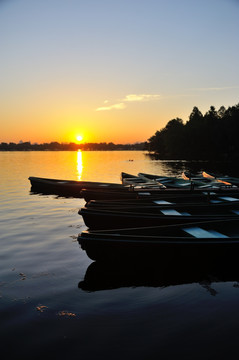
(211, 136)
(56, 146)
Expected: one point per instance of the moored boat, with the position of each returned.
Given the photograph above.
(210, 238)
(126, 217)
(186, 175)
(69, 187)
(74, 187)
(168, 181)
(150, 193)
(187, 180)
(226, 180)
(128, 179)
(176, 199)
(173, 202)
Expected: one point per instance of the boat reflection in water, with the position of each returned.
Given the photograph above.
(165, 272)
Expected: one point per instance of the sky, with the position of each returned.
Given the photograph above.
(113, 70)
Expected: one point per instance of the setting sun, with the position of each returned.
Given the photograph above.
(79, 137)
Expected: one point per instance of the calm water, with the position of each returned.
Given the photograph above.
(54, 301)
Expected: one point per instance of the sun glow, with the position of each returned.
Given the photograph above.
(79, 137)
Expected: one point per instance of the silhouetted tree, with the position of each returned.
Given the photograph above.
(210, 136)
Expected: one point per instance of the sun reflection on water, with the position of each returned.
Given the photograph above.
(79, 164)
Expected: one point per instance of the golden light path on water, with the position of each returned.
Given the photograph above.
(79, 164)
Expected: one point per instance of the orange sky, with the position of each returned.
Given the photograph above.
(71, 68)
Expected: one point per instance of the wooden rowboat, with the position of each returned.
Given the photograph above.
(226, 180)
(168, 181)
(126, 217)
(187, 180)
(149, 193)
(129, 179)
(73, 187)
(203, 239)
(69, 187)
(168, 200)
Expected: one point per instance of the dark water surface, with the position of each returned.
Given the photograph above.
(54, 301)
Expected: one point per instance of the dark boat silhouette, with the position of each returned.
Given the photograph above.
(158, 214)
(208, 238)
(68, 187)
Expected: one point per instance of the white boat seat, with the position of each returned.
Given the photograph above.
(228, 198)
(173, 212)
(162, 202)
(201, 233)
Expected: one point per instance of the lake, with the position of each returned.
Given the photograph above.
(56, 302)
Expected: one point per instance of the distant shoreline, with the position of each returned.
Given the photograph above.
(55, 146)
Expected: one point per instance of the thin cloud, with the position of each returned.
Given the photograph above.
(119, 106)
(127, 99)
(140, 97)
(217, 88)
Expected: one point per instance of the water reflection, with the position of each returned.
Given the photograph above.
(79, 164)
(176, 167)
(106, 276)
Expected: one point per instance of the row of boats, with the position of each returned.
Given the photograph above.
(148, 216)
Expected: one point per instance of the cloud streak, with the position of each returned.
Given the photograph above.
(129, 98)
(119, 106)
(140, 97)
(217, 88)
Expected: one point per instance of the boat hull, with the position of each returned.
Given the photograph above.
(69, 187)
(114, 251)
(113, 219)
(202, 239)
(147, 193)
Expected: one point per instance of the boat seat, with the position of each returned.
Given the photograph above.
(209, 193)
(201, 233)
(228, 198)
(162, 202)
(174, 212)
